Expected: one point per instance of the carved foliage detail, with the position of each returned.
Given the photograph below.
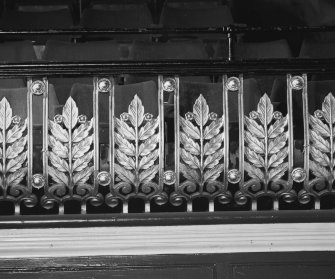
(265, 149)
(13, 153)
(136, 152)
(70, 155)
(322, 133)
(201, 151)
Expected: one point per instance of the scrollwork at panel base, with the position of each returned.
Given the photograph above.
(70, 156)
(201, 152)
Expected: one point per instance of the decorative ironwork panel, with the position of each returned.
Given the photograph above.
(13, 158)
(70, 153)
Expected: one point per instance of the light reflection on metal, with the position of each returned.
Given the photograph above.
(38, 181)
(104, 178)
(38, 87)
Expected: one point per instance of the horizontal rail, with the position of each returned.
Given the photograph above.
(232, 29)
(180, 67)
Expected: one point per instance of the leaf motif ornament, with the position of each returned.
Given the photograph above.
(13, 149)
(265, 144)
(201, 139)
(136, 150)
(70, 144)
(322, 141)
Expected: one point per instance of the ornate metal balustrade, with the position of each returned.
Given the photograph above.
(206, 168)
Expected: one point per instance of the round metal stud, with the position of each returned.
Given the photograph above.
(318, 114)
(169, 177)
(297, 82)
(277, 115)
(298, 175)
(82, 119)
(16, 119)
(213, 116)
(104, 85)
(38, 181)
(234, 176)
(58, 119)
(124, 116)
(148, 117)
(38, 87)
(104, 178)
(233, 84)
(189, 116)
(253, 114)
(169, 84)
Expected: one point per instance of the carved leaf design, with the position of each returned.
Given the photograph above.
(253, 172)
(127, 132)
(82, 162)
(328, 106)
(15, 178)
(213, 129)
(189, 144)
(136, 112)
(214, 144)
(201, 139)
(266, 144)
(149, 145)
(201, 111)
(320, 157)
(254, 143)
(265, 110)
(16, 132)
(82, 176)
(59, 163)
(14, 164)
(5, 114)
(124, 146)
(58, 132)
(82, 147)
(82, 131)
(190, 129)
(58, 148)
(319, 142)
(57, 176)
(277, 128)
(318, 170)
(254, 128)
(70, 113)
(16, 148)
(254, 158)
(148, 130)
(319, 127)
(124, 174)
(70, 143)
(136, 152)
(189, 173)
(214, 173)
(149, 160)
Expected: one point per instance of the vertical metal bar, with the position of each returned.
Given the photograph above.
(231, 37)
(161, 131)
(96, 155)
(45, 130)
(30, 134)
(226, 130)
(177, 135)
(111, 113)
(290, 129)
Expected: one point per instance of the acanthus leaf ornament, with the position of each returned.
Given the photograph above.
(13, 156)
(136, 153)
(70, 156)
(322, 160)
(201, 153)
(266, 151)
